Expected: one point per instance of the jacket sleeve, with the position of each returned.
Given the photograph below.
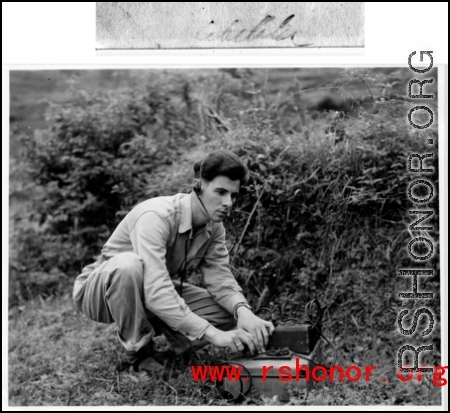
(149, 238)
(217, 274)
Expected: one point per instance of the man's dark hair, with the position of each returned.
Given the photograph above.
(221, 162)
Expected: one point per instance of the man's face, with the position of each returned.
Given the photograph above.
(218, 196)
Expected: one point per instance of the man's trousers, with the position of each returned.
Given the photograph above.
(112, 291)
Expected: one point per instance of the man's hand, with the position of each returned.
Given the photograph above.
(259, 329)
(235, 340)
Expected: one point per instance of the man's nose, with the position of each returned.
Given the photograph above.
(227, 201)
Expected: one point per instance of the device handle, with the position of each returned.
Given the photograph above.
(318, 319)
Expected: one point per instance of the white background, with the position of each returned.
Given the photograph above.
(56, 35)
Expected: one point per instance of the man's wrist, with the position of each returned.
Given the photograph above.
(239, 307)
(242, 309)
(209, 333)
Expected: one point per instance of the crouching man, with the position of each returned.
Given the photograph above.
(131, 281)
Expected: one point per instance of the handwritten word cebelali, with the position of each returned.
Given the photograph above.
(267, 28)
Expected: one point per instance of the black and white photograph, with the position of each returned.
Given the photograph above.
(218, 25)
(225, 205)
(238, 237)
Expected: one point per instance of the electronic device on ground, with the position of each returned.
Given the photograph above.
(294, 350)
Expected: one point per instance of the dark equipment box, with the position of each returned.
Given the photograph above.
(299, 338)
(270, 373)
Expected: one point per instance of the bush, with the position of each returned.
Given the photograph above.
(94, 163)
(106, 152)
(313, 188)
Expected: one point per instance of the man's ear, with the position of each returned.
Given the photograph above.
(196, 185)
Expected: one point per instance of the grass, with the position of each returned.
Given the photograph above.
(57, 357)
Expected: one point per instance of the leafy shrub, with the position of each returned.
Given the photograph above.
(94, 163)
(106, 152)
(313, 189)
